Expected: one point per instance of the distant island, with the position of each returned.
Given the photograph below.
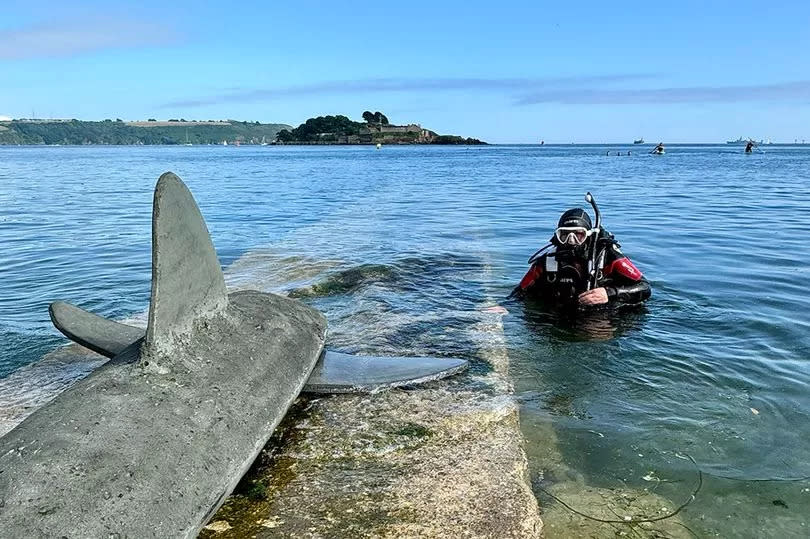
(376, 129)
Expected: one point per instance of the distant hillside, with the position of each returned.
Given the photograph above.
(146, 133)
(375, 130)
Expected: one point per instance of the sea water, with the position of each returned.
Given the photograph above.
(715, 369)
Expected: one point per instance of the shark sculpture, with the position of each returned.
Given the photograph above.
(152, 442)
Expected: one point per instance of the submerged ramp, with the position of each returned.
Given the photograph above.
(445, 461)
(151, 443)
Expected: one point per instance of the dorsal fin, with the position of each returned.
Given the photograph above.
(187, 280)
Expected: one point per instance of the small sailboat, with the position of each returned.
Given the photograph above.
(187, 143)
(224, 142)
(264, 141)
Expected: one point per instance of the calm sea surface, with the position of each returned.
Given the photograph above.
(404, 243)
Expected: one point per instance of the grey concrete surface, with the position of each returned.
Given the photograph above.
(187, 280)
(132, 452)
(333, 373)
(138, 451)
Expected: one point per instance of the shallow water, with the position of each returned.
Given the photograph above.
(400, 248)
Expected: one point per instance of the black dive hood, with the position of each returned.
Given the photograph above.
(575, 217)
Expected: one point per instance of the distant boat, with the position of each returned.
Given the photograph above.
(264, 141)
(224, 142)
(738, 141)
(639, 141)
(187, 142)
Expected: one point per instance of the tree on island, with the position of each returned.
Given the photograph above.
(285, 136)
(321, 129)
(375, 118)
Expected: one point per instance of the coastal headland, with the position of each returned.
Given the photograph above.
(151, 132)
(323, 130)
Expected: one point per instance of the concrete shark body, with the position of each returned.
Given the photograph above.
(152, 442)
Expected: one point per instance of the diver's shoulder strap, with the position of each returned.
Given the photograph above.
(539, 253)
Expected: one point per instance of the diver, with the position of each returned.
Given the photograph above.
(562, 273)
(749, 147)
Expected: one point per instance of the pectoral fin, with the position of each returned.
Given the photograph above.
(347, 373)
(92, 331)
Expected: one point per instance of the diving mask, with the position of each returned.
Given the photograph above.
(571, 235)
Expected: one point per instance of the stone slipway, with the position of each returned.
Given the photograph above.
(442, 461)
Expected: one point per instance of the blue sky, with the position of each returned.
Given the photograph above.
(500, 71)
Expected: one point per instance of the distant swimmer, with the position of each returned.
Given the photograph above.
(658, 150)
(749, 147)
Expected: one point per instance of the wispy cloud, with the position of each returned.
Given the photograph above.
(795, 91)
(75, 36)
(582, 90)
(507, 85)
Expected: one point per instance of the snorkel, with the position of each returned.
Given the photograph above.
(592, 265)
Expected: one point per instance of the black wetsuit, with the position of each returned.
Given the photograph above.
(561, 274)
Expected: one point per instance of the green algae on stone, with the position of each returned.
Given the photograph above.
(413, 430)
(345, 281)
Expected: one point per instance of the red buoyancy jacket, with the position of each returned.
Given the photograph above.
(622, 280)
